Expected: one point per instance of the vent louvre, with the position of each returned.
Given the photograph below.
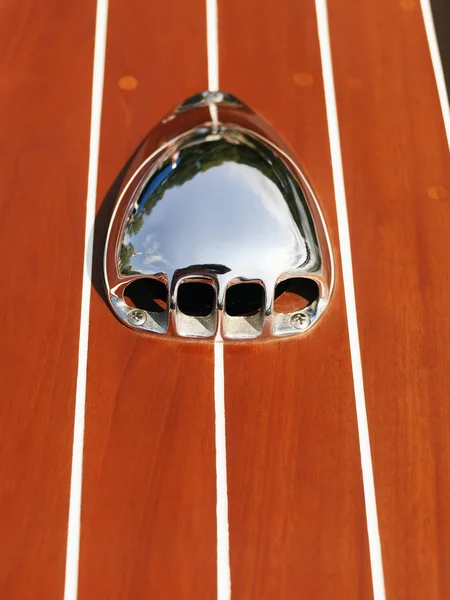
(195, 309)
(244, 299)
(147, 294)
(294, 294)
(196, 298)
(244, 310)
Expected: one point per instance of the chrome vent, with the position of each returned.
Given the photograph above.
(217, 231)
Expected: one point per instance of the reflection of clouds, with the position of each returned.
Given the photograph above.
(264, 189)
(231, 215)
(288, 248)
(152, 252)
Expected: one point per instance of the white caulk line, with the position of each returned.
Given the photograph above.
(73, 534)
(223, 544)
(212, 35)
(350, 302)
(214, 114)
(223, 550)
(437, 64)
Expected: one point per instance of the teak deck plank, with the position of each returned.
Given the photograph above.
(397, 173)
(45, 79)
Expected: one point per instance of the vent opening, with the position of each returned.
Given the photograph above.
(196, 299)
(244, 310)
(195, 309)
(147, 294)
(244, 300)
(292, 295)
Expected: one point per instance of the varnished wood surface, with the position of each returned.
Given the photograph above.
(295, 489)
(45, 80)
(148, 526)
(296, 507)
(148, 522)
(397, 172)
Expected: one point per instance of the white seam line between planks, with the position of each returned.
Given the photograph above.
(223, 543)
(350, 302)
(437, 64)
(73, 533)
(223, 550)
(212, 43)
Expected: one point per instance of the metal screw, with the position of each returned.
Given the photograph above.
(300, 320)
(136, 317)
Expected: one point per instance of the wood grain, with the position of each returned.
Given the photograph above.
(397, 172)
(148, 517)
(45, 80)
(296, 508)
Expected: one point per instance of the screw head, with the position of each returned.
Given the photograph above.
(136, 317)
(300, 320)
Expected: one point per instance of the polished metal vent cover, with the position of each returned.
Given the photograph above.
(215, 226)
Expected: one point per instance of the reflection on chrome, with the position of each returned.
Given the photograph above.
(214, 197)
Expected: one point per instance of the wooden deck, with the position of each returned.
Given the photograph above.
(298, 524)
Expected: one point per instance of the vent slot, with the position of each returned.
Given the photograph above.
(195, 312)
(292, 295)
(150, 295)
(244, 299)
(196, 299)
(146, 294)
(244, 310)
